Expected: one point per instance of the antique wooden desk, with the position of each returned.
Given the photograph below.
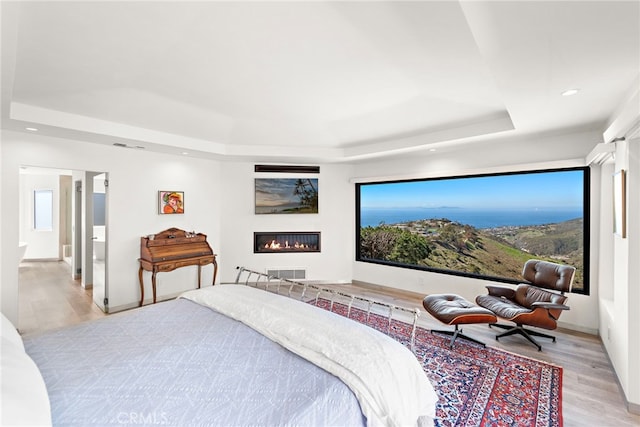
(171, 249)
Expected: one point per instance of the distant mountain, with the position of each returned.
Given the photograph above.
(497, 252)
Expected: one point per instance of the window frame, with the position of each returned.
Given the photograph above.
(586, 207)
(42, 221)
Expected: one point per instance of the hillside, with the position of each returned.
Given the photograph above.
(498, 252)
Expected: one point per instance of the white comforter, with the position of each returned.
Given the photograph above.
(385, 376)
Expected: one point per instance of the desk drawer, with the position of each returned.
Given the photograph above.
(186, 263)
(167, 267)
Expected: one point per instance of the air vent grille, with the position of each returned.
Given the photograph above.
(288, 273)
(121, 145)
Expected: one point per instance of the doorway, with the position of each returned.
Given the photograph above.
(74, 206)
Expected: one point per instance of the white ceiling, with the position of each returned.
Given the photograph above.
(316, 81)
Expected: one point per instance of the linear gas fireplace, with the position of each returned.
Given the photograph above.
(285, 242)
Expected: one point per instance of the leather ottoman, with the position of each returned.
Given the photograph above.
(452, 309)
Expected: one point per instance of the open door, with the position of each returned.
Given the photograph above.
(99, 205)
(77, 231)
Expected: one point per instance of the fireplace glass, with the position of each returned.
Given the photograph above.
(286, 242)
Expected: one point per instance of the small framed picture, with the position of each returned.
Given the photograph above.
(286, 195)
(170, 202)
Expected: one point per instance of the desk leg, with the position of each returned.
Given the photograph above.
(215, 272)
(199, 274)
(153, 285)
(141, 286)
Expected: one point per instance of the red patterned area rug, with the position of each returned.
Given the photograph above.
(476, 386)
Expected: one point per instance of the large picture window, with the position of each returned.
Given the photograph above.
(480, 226)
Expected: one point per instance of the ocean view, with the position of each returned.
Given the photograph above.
(478, 218)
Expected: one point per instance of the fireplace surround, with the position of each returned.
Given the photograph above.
(286, 242)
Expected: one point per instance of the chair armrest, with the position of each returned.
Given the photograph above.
(549, 306)
(501, 291)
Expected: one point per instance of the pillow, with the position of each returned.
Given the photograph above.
(9, 332)
(24, 394)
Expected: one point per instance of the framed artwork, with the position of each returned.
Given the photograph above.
(286, 195)
(170, 202)
(619, 204)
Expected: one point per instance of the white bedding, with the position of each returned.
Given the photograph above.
(23, 395)
(387, 379)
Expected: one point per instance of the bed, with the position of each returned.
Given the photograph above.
(223, 355)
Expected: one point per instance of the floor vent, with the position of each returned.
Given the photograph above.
(288, 273)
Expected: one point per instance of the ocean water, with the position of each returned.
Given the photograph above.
(276, 209)
(478, 218)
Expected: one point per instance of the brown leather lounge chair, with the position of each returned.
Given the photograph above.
(538, 303)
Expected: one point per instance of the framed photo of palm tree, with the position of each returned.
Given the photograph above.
(286, 196)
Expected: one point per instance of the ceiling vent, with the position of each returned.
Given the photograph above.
(120, 144)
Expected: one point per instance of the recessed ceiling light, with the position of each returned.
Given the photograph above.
(184, 153)
(32, 129)
(570, 92)
(432, 149)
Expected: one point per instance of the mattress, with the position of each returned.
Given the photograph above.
(179, 363)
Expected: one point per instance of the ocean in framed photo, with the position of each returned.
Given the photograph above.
(286, 196)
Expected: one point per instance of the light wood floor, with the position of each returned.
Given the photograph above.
(591, 395)
(50, 299)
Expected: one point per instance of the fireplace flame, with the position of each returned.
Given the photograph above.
(275, 245)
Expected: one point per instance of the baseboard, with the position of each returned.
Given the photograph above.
(132, 305)
(577, 328)
(123, 307)
(632, 408)
(383, 288)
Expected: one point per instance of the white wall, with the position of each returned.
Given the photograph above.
(335, 221)
(135, 177)
(8, 292)
(219, 201)
(620, 284)
(497, 156)
(215, 194)
(633, 298)
(42, 244)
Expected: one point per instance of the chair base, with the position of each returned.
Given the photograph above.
(455, 334)
(520, 330)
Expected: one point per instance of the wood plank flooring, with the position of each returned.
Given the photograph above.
(50, 299)
(591, 395)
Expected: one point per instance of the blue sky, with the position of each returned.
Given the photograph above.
(562, 189)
